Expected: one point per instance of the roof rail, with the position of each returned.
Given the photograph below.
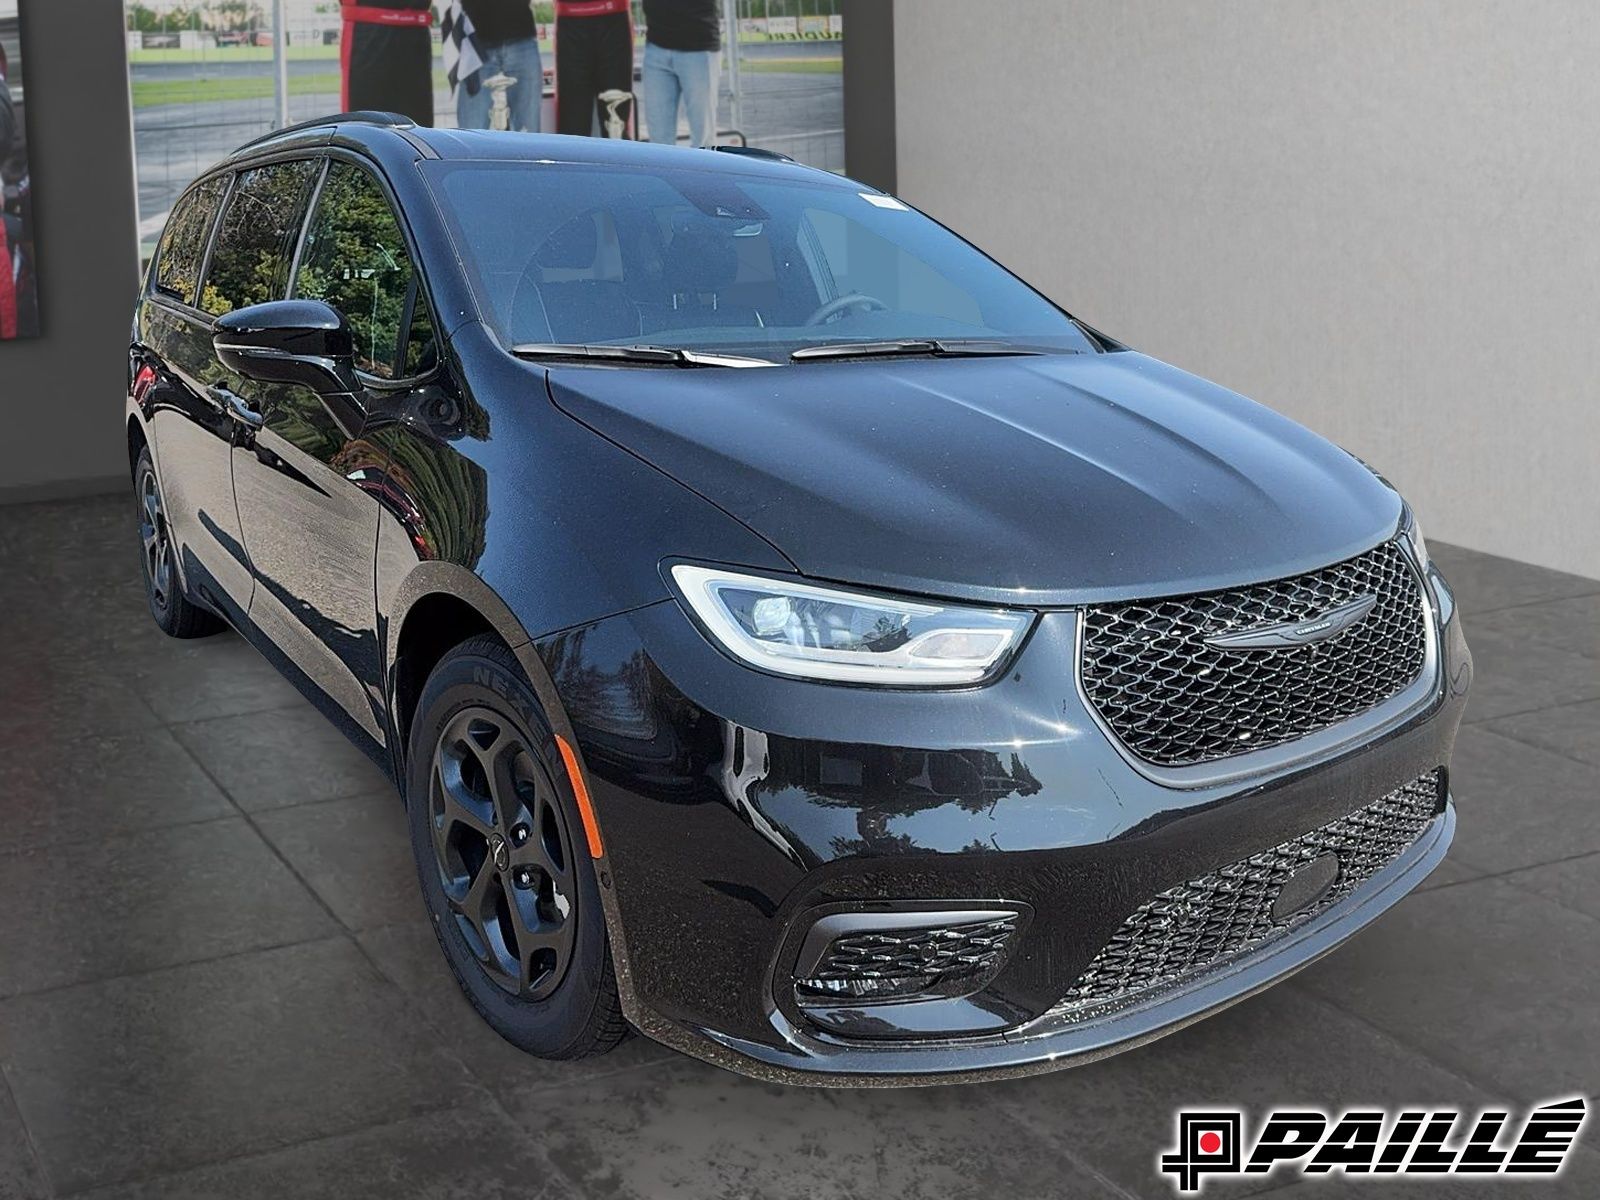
(755, 152)
(364, 117)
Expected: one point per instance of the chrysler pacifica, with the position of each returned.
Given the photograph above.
(791, 634)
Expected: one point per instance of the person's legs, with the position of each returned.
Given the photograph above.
(472, 109)
(697, 76)
(521, 59)
(575, 89)
(614, 63)
(660, 95)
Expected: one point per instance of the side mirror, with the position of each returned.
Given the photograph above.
(304, 342)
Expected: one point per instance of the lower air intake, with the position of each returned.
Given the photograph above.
(1200, 925)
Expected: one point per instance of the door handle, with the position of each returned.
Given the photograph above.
(235, 407)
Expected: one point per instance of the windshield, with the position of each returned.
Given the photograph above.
(720, 261)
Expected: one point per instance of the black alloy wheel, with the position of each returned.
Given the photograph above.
(503, 860)
(156, 540)
(503, 853)
(177, 615)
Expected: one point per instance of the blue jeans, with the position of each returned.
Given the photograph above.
(687, 74)
(519, 60)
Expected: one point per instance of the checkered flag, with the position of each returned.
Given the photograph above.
(463, 57)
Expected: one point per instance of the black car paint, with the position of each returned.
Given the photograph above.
(541, 501)
(1046, 481)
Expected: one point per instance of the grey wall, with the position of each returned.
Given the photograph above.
(62, 393)
(1382, 219)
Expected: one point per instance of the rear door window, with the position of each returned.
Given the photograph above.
(256, 243)
(183, 244)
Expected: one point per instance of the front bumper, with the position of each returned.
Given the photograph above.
(737, 807)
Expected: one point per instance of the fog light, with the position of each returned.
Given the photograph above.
(865, 987)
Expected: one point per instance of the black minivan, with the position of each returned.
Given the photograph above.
(791, 634)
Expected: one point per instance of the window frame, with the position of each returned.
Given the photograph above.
(424, 299)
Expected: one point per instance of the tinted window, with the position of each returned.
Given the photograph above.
(720, 259)
(355, 259)
(183, 244)
(859, 261)
(250, 264)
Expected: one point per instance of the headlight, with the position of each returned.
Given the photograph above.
(823, 633)
(1412, 532)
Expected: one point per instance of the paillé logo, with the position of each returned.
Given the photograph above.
(1374, 1141)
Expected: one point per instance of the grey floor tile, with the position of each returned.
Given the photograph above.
(47, 690)
(694, 1131)
(1572, 625)
(286, 756)
(202, 1063)
(354, 853)
(1282, 1048)
(97, 529)
(1574, 883)
(1569, 729)
(20, 1176)
(59, 658)
(203, 678)
(75, 601)
(64, 786)
(410, 955)
(1484, 582)
(1514, 674)
(1450, 871)
(470, 1152)
(1492, 980)
(1519, 806)
(96, 908)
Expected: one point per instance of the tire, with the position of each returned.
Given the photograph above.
(504, 869)
(174, 612)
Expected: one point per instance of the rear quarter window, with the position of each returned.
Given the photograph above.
(183, 243)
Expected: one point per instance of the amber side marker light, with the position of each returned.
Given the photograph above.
(591, 828)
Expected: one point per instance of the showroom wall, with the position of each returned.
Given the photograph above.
(63, 432)
(1380, 218)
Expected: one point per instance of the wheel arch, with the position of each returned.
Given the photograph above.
(435, 608)
(435, 593)
(138, 440)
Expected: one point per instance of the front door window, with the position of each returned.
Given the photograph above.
(355, 260)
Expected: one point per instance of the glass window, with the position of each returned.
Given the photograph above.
(183, 243)
(250, 264)
(860, 262)
(355, 260)
(716, 258)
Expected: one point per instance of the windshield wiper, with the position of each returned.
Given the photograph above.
(670, 356)
(965, 348)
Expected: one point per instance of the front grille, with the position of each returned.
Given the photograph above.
(1200, 925)
(884, 961)
(1173, 700)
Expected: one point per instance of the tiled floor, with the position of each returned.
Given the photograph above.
(215, 979)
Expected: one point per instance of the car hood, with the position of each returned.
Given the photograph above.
(1048, 480)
